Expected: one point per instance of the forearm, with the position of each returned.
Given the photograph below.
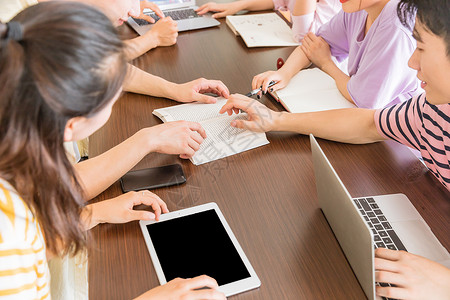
(304, 7)
(352, 125)
(340, 77)
(141, 82)
(254, 4)
(296, 62)
(88, 219)
(140, 45)
(98, 173)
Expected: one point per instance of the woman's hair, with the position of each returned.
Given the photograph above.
(58, 60)
(433, 14)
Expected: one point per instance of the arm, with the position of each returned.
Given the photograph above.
(226, 9)
(163, 33)
(304, 7)
(141, 82)
(97, 174)
(352, 125)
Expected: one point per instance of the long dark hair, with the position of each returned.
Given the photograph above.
(59, 60)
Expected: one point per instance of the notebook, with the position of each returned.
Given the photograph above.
(262, 30)
(311, 90)
(364, 223)
(222, 140)
(181, 11)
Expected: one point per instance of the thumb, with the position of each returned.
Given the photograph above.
(242, 124)
(147, 18)
(219, 15)
(141, 215)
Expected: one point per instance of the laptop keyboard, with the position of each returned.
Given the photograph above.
(383, 234)
(176, 15)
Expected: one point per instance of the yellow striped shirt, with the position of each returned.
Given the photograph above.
(24, 272)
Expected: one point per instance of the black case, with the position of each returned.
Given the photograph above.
(152, 178)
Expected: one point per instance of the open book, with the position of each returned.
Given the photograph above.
(262, 30)
(311, 90)
(222, 140)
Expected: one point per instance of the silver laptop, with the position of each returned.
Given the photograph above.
(366, 223)
(181, 11)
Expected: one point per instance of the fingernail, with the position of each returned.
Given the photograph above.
(258, 96)
(233, 123)
(271, 89)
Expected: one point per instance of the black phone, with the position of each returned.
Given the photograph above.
(152, 178)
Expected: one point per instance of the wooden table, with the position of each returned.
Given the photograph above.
(267, 195)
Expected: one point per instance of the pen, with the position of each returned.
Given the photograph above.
(256, 91)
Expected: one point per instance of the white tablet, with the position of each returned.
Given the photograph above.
(196, 241)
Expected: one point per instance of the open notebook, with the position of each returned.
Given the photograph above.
(262, 30)
(222, 140)
(311, 90)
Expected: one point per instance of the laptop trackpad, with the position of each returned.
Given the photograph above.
(418, 239)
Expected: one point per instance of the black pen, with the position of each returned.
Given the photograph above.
(254, 92)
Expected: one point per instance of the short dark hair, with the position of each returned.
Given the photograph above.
(62, 60)
(433, 14)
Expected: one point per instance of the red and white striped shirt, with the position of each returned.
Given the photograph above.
(419, 124)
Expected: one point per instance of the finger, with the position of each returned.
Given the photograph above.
(390, 277)
(163, 206)
(201, 281)
(210, 294)
(152, 200)
(221, 89)
(393, 292)
(387, 254)
(234, 103)
(386, 265)
(220, 15)
(249, 125)
(197, 127)
(136, 215)
(197, 137)
(147, 18)
(257, 80)
(204, 98)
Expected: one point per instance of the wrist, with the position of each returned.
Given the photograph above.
(145, 139)
(152, 38)
(89, 217)
(329, 67)
(278, 121)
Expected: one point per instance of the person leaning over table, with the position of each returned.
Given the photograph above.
(43, 209)
(377, 45)
(423, 123)
(163, 34)
(306, 15)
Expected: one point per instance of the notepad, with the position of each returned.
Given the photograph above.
(222, 140)
(311, 90)
(262, 30)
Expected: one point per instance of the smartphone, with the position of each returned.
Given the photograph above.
(152, 178)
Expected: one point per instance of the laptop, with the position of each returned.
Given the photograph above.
(366, 223)
(181, 11)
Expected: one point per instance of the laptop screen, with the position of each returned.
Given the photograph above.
(164, 4)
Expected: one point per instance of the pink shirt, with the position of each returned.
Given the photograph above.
(377, 61)
(301, 25)
(419, 124)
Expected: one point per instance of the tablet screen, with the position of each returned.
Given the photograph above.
(194, 245)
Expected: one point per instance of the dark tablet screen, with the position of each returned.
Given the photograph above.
(194, 245)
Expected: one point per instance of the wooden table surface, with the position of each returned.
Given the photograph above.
(267, 195)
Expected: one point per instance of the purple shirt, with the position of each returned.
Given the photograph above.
(421, 125)
(377, 62)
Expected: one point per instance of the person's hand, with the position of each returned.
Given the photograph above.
(147, 4)
(222, 9)
(317, 50)
(179, 137)
(260, 118)
(415, 277)
(263, 80)
(193, 91)
(120, 209)
(164, 33)
(185, 289)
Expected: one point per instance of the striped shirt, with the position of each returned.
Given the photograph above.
(421, 125)
(24, 272)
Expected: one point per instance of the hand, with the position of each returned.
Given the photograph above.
(415, 277)
(146, 4)
(178, 289)
(120, 209)
(223, 9)
(263, 80)
(164, 33)
(179, 137)
(317, 50)
(260, 118)
(194, 90)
